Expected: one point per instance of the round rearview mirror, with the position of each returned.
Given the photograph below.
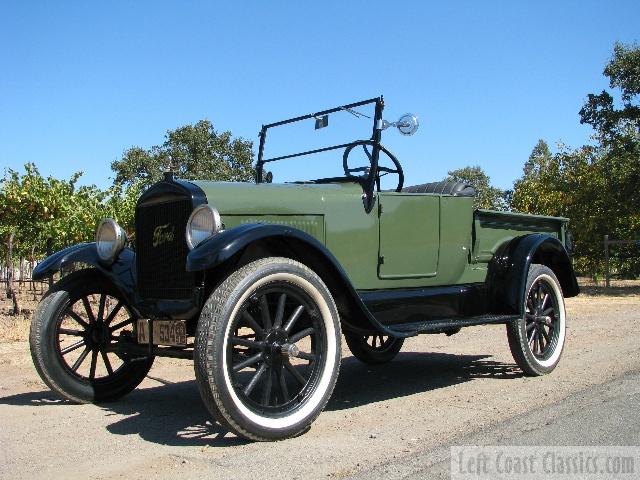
(408, 124)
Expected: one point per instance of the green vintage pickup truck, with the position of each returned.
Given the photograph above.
(258, 284)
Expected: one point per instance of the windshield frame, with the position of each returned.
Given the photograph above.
(368, 183)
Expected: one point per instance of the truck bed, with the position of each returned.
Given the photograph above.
(492, 229)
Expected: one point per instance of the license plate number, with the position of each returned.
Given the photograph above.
(165, 332)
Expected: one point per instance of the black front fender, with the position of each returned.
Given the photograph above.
(225, 245)
(121, 272)
(509, 269)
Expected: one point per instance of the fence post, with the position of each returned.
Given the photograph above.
(606, 261)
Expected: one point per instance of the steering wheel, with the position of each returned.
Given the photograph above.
(365, 170)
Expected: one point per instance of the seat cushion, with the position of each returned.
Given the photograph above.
(457, 189)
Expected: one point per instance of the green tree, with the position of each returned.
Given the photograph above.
(192, 152)
(487, 196)
(121, 204)
(567, 184)
(617, 124)
(596, 185)
(533, 191)
(539, 159)
(615, 118)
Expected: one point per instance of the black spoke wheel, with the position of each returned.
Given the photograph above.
(537, 339)
(374, 348)
(276, 353)
(73, 340)
(268, 349)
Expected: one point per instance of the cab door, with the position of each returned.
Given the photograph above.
(409, 235)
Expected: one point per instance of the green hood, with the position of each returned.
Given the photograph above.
(276, 199)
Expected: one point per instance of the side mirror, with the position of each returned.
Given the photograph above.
(407, 124)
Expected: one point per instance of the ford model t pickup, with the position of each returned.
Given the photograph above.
(259, 282)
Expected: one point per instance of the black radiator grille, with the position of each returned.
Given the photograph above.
(161, 249)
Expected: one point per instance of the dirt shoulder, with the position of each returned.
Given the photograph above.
(437, 389)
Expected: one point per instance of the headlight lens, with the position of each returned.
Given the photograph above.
(203, 223)
(110, 240)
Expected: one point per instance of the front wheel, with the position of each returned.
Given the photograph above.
(73, 340)
(537, 339)
(267, 349)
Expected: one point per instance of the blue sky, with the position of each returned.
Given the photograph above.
(80, 82)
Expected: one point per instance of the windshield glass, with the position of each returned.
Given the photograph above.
(342, 127)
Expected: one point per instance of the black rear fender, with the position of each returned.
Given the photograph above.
(510, 266)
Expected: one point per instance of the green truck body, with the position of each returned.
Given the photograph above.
(409, 240)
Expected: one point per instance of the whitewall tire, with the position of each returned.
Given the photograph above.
(267, 351)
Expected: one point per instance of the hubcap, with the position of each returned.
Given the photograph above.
(97, 335)
(290, 349)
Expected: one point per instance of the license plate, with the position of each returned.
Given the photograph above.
(165, 332)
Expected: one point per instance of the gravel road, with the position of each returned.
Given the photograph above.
(439, 391)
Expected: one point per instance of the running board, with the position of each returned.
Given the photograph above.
(447, 324)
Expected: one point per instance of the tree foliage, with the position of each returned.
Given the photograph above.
(192, 152)
(596, 185)
(487, 196)
(36, 208)
(617, 125)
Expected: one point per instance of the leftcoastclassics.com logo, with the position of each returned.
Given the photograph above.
(163, 234)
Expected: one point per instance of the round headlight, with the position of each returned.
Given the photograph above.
(203, 223)
(110, 240)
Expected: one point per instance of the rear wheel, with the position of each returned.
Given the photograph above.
(73, 340)
(267, 349)
(537, 339)
(373, 349)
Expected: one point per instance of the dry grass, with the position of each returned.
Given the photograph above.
(16, 328)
